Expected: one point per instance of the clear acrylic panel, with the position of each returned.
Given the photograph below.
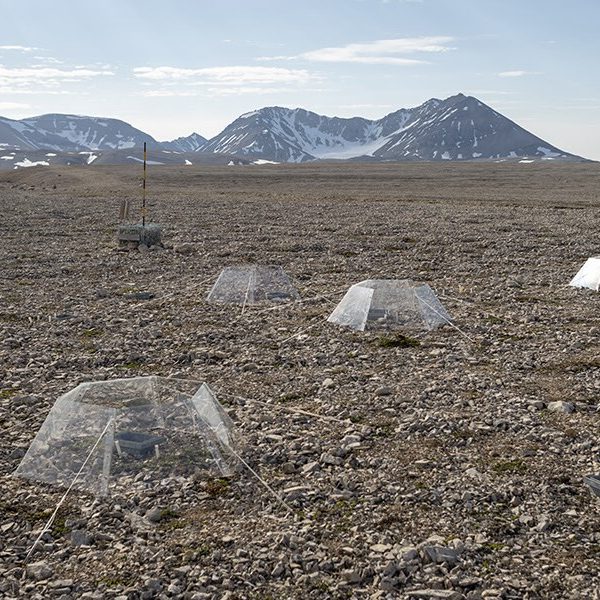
(388, 304)
(353, 309)
(434, 314)
(147, 432)
(250, 284)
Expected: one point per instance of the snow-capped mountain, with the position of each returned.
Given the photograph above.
(457, 128)
(293, 135)
(70, 133)
(192, 143)
(462, 128)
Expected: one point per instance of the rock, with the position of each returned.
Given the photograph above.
(384, 390)
(435, 594)
(352, 576)
(61, 583)
(388, 584)
(408, 553)
(441, 554)
(154, 515)
(381, 548)
(329, 459)
(184, 248)
(327, 383)
(310, 467)
(560, 406)
(81, 537)
(39, 570)
(140, 296)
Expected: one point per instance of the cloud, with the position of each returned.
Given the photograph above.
(167, 93)
(13, 106)
(38, 91)
(234, 75)
(378, 52)
(516, 73)
(46, 76)
(19, 48)
(221, 81)
(251, 89)
(49, 59)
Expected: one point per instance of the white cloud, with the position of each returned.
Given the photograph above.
(221, 81)
(27, 91)
(382, 52)
(249, 89)
(517, 73)
(167, 93)
(4, 106)
(224, 75)
(49, 59)
(19, 48)
(46, 76)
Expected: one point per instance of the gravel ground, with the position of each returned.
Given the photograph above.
(447, 469)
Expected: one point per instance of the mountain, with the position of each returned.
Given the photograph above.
(72, 133)
(192, 143)
(457, 128)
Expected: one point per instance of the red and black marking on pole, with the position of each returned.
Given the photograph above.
(144, 191)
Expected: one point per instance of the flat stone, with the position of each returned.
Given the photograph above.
(185, 249)
(435, 594)
(441, 554)
(39, 570)
(381, 548)
(384, 390)
(560, 406)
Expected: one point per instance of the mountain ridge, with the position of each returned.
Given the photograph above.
(459, 127)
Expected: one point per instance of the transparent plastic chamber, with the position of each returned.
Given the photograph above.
(389, 303)
(251, 284)
(135, 434)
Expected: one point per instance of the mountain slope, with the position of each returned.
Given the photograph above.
(192, 143)
(462, 128)
(74, 132)
(457, 128)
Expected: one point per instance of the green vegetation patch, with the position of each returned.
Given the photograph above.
(510, 466)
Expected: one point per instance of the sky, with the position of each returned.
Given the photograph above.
(173, 67)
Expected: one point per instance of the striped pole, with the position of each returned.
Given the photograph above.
(144, 191)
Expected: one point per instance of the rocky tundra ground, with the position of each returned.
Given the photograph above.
(444, 465)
